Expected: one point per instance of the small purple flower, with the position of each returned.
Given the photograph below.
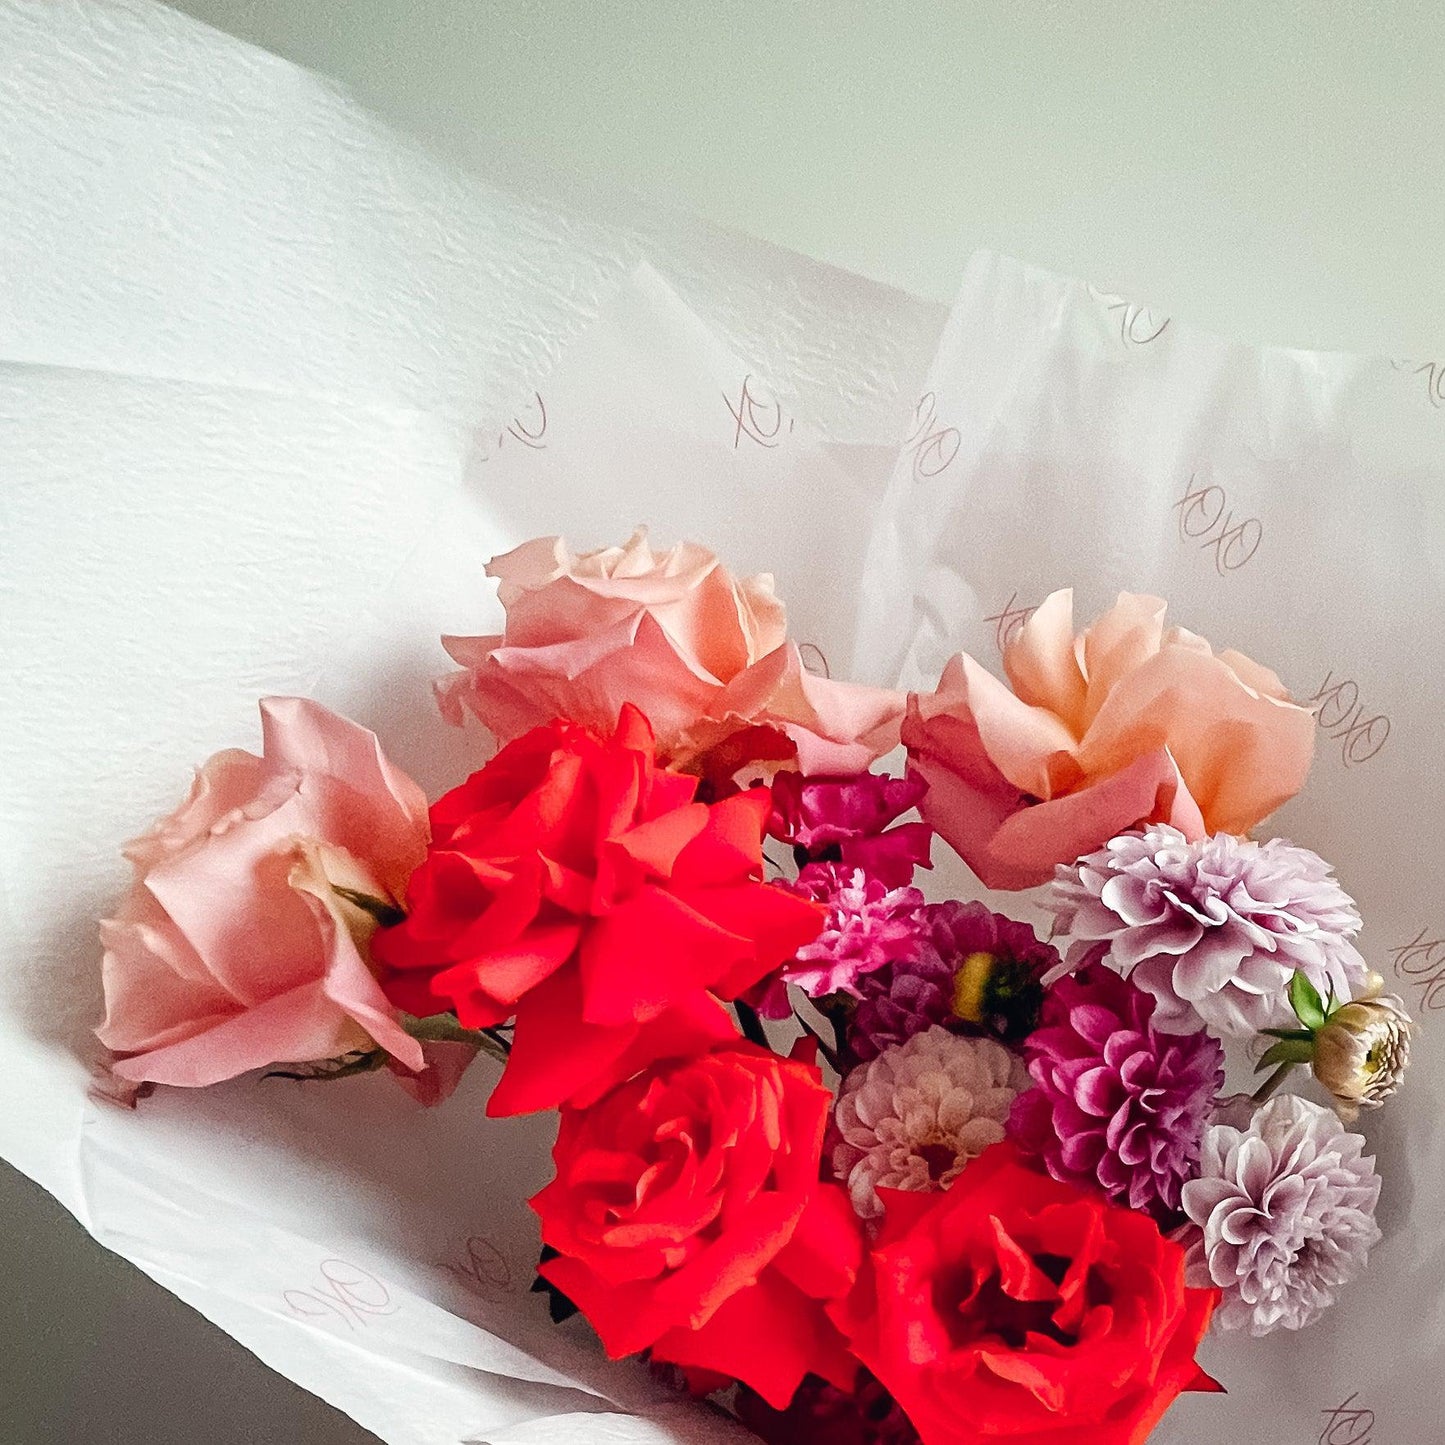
(975, 968)
(1116, 1103)
(846, 821)
(869, 925)
(1214, 929)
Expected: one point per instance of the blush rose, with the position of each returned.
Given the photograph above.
(242, 942)
(703, 654)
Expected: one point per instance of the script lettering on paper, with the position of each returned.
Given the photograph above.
(528, 428)
(1341, 717)
(1420, 964)
(757, 415)
(1207, 519)
(1008, 620)
(1348, 1423)
(931, 445)
(1434, 374)
(1137, 324)
(343, 1291)
(483, 1268)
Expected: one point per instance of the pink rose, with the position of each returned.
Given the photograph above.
(704, 655)
(1125, 723)
(241, 942)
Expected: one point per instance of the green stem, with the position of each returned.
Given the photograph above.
(1272, 1083)
(361, 1061)
(444, 1028)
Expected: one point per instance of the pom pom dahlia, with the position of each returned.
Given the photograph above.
(915, 1115)
(1286, 1215)
(974, 967)
(1116, 1103)
(1214, 929)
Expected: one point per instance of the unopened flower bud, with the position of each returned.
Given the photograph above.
(1362, 1050)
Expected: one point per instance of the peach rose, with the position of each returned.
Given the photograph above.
(242, 940)
(1123, 724)
(704, 655)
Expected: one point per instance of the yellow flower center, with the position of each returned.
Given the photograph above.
(969, 984)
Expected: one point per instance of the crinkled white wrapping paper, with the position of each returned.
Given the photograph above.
(1290, 504)
(273, 384)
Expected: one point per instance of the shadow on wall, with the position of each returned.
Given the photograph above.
(93, 1350)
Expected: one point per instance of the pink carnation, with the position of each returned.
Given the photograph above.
(868, 925)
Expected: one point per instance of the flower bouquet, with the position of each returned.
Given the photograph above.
(856, 1164)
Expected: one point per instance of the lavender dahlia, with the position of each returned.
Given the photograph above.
(974, 967)
(1116, 1103)
(1286, 1215)
(1214, 929)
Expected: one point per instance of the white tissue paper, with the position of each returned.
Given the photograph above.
(274, 383)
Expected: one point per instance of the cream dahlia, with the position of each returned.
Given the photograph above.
(913, 1117)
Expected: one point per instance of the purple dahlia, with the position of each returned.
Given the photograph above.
(1116, 1103)
(974, 968)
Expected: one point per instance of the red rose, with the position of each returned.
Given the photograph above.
(1015, 1310)
(575, 885)
(689, 1220)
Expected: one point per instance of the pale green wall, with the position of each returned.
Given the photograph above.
(1272, 170)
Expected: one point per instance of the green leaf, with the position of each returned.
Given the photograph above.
(1305, 1000)
(1287, 1033)
(1286, 1051)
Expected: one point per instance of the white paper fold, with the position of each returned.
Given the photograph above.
(273, 385)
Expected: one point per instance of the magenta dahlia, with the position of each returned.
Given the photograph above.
(1116, 1103)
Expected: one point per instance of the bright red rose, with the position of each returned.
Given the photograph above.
(1015, 1310)
(574, 884)
(689, 1219)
